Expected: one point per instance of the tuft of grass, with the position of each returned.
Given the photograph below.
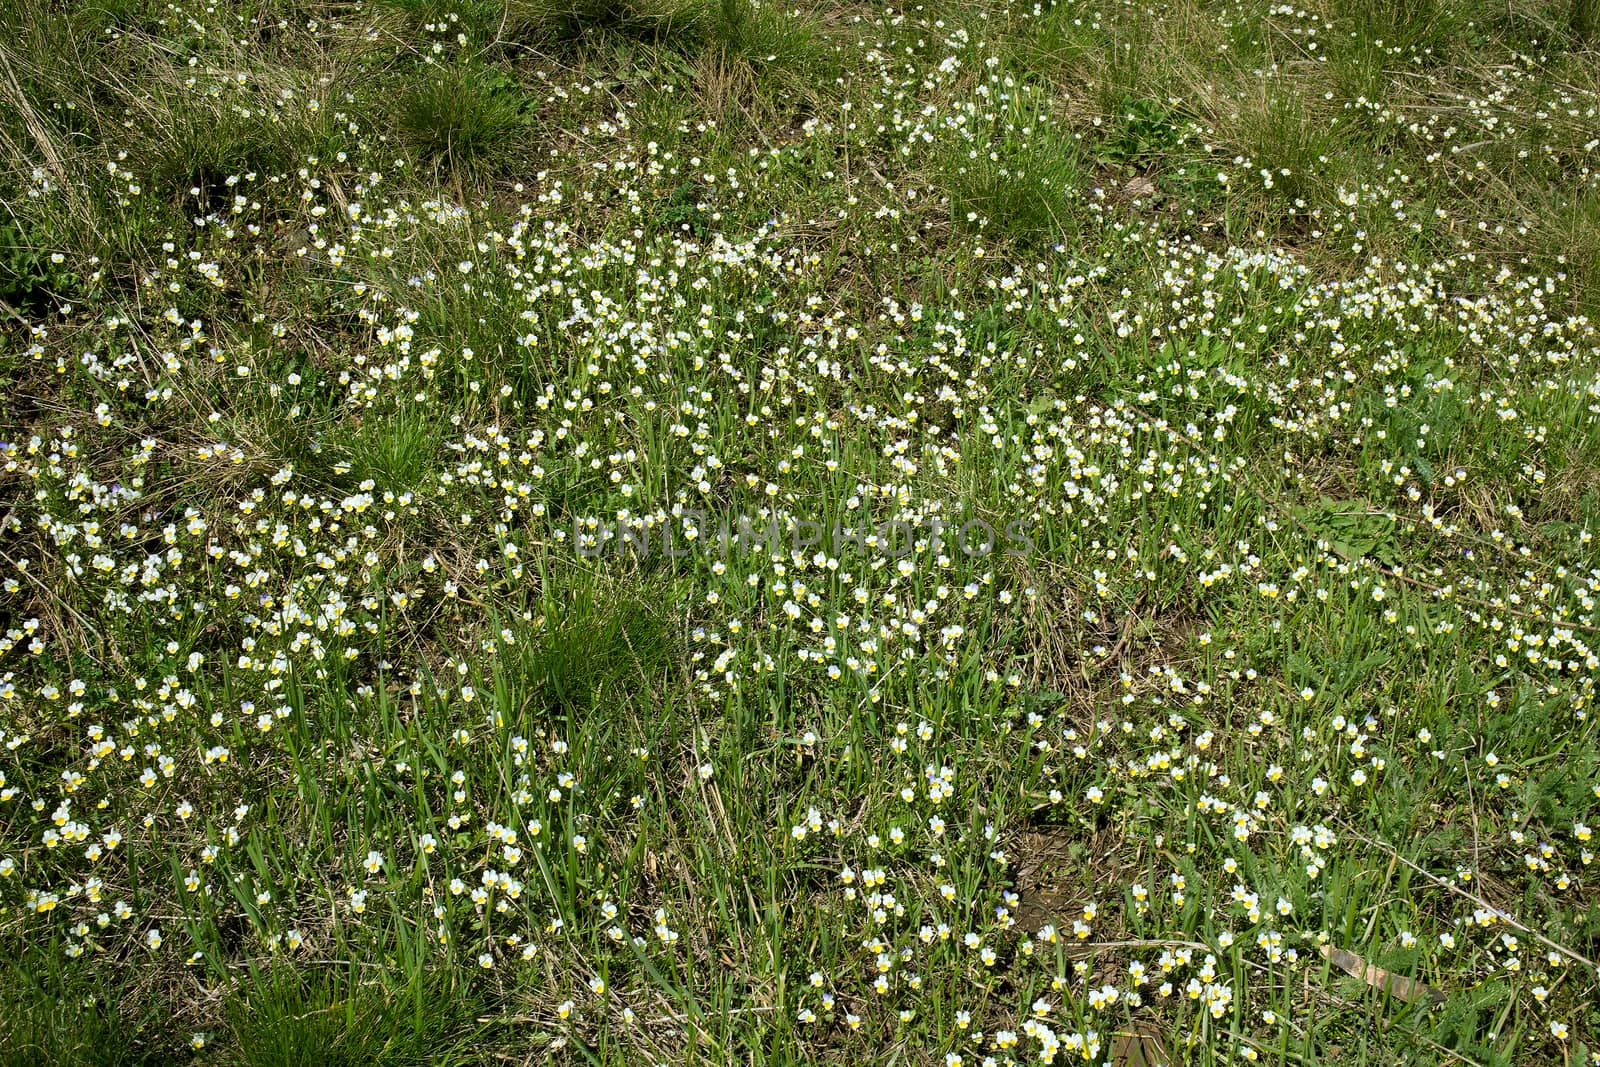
(647, 21)
(396, 451)
(1421, 33)
(465, 120)
(1301, 141)
(600, 646)
(1568, 240)
(282, 1017)
(1020, 175)
(56, 1019)
(509, 29)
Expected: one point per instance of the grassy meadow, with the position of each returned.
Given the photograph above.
(970, 533)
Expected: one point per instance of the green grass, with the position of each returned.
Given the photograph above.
(56, 1018)
(469, 481)
(284, 1018)
(461, 118)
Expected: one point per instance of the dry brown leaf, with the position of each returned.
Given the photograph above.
(1141, 1047)
(1396, 985)
(1139, 186)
